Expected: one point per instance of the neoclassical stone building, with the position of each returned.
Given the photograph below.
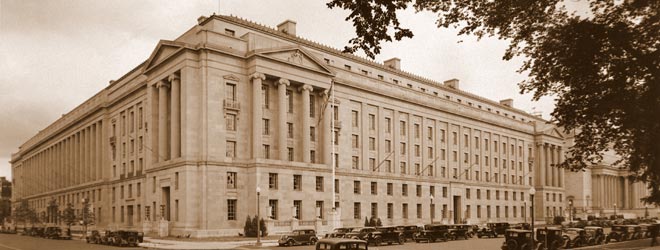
(186, 138)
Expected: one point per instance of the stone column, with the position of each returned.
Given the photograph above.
(326, 129)
(88, 153)
(162, 121)
(257, 114)
(99, 151)
(626, 192)
(281, 116)
(560, 157)
(306, 89)
(544, 165)
(540, 163)
(553, 162)
(76, 159)
(175, 132)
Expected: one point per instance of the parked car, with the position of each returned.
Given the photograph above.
(525, 226)
(433, 232)
(617, 233)
(387, 235)
(125, 238)
(298, 237)
(458, 231)
(549, 239)
(517, 239)
(38, 232)
(574, 237)
(362, 233)
(339, 232)
(493, 230)
(341, 244)
(56, 233)
(645, 230)
(595, 235)
(93, 237)
(408, 232)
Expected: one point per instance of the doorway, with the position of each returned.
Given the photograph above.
(457, 209)
(129, 213)
(166, 203)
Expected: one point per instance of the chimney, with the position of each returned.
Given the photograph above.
(288, 27)
(201, 19)
(393, 63)
(452, 83)
(507, 102)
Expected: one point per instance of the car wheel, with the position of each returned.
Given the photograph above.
(378, 241)
(313, 241)
(289, 243)
(512, 244)
(402, 240)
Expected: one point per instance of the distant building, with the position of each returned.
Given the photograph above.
(5, 198)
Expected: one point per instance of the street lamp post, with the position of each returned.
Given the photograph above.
(570, 210)
(84, 219)
(532, 191)
(258, 219)
(432, 210)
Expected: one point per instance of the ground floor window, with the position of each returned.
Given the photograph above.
(231, 209)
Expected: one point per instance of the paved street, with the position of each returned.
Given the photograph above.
(19, 242)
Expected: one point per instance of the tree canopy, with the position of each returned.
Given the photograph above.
(602, 66)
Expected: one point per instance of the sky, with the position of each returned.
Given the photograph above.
(56, 54)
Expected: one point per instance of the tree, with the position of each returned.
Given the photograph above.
(22, 212)
(602, 66)
(69, 215)
(86, 216)
(367, 223)
(247, 229)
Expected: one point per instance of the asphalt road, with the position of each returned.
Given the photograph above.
(19, 242)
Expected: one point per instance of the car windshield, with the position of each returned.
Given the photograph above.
(356, 230)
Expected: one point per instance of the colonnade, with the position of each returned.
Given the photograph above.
(169, 118)
(549, 156)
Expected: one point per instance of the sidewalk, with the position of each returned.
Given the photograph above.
(195, 245)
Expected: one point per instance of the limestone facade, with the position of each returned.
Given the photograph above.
(187, 136)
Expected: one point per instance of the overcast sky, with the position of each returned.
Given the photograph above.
(55, 54)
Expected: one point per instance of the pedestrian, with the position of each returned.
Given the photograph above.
(654, 234)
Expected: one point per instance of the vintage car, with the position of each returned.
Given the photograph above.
(408, 232)
(525, 226)
(433, 232)
(387, 235)
(645, 230)
(459, 231)
(517, 239)
(634, 232)
(595, 235)
(574, 237)
(339, 232)
(361, 233)
(298, 237)
(57, 233)
(341, 244)
(38, 232)
(549, 239)
(493, 230)
(93, 237)
(618, 233)
(125, 238)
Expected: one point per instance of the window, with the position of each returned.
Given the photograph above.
(176, 180)
(231, 149)
(231, 122)
(272, 180)
(266, 151)
(264, 97)
(487, 194)
(289, 100)
(355, 141)
(467, 193)
(390, 189)
(289, 127)
(357, 212)
(139, 190)
(388, 125)
(390, 210)
(374, 210)
(319, 209)
(372, 122)
(417, 153)
(402, 126)
(416, 130)
(404, 210)
(356, 187)
(419, 211)
(429, 133)
(404, 189)
(354, 118)
(374, 188)
(312, 133)
(454, 138)
(266, 127)
(231, 209)
(403, 167)
(388, 146)
(312, 106)
(273, 209)
(297, 205)
(312, 156)
(347, 67)
(230, 32)
(372, 164)
(372, 143)
(355, 162)
(417, 169)
(486, 144)
(403, 148)
(297, 182)
(319, 183)
(290, 153)
(336, 186)
(380, 77)
(231, 180)
(230, 91)
(418, 190)
(430, 152)
(364, 72)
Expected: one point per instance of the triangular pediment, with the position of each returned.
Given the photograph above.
(163, 51)
(554, 132)
(297, 56)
